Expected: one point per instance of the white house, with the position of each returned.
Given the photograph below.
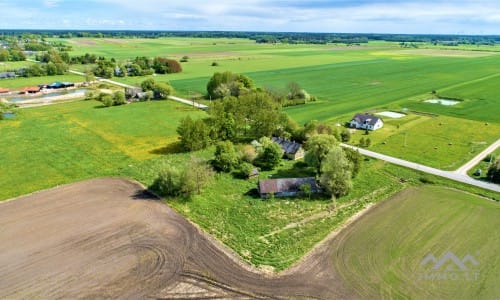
(366, 121)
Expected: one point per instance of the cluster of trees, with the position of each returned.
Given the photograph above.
(226, 84)
(334, 165)
(108, 100)
(293, 94)
(365, 142)
(140, 66)
(243, 161)
(85, 59)
(159, 90)
(185, 182)
(12, 54)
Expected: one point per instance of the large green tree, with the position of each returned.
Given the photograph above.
(269, 156)
(336, 173)
(228, 84)
(225, 157)
(193, 134)
(317, 148)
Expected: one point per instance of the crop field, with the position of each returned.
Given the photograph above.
(13, 65)
(382, 255)
(48, 146)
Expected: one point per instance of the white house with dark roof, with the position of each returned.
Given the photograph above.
(366, 121)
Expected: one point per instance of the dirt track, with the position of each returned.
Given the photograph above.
(107, 238)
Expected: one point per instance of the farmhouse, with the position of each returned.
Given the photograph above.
(286, 187)
(366, 121)
(30, 90)
(291, 150)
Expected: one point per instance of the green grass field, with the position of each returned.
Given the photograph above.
(380, 256)
(441, 142)
(47, 146)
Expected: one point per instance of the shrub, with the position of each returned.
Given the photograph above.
(107, 100)
(215, 64)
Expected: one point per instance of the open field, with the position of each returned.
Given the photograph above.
(402, 231)
(479, 100)
(107, 238)
(47, 146)
(442, 142)
(13, 65)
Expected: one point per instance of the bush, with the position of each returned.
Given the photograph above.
(244, 170)
(168, 182)
(119, 98)
(107, 100)
(215, 64)
(225, 157)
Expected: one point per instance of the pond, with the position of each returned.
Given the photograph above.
(442, 102)
(391, 114)
(53, 94)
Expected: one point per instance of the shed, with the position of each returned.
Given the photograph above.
(286, 187)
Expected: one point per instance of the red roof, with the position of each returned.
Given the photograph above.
(30, 89)
(2, 90)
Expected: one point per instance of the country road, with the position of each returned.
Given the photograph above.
(470, 164)
(453, 175)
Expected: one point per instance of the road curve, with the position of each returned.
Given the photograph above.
(446, 174)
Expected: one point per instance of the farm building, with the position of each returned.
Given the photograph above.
(291, 150)
(286, 187)
(135, 94)
(366, 121)
(4, 91)
(60, 85)
(30, 90)
(5, 75)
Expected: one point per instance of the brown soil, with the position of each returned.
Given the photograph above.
(108, 238)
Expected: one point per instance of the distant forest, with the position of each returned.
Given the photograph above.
(268, 37)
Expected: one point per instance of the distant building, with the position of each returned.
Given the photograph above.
(4, 91)
(286, 187)
(30, 90)
(5, 75)
(291, 150)
(136, 94)
(366, 121)
(60, 85)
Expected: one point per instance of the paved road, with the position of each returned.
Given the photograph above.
(446, 174)
(463, 169)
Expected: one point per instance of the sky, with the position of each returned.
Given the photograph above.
(357, 16)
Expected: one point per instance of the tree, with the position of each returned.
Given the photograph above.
(270, 155)
(197, 175)
(336, 173)
(107, 100)
(494, 171)
(119, 98)
(163, 90)
(362, 142)
(244, 170)
(317, 148)
(368, 142)
(168, 182)
(193, 135)
(345, 135)
(148, 84)
(355, 158)
(228, 84)
(226, 157)
(293, 89)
